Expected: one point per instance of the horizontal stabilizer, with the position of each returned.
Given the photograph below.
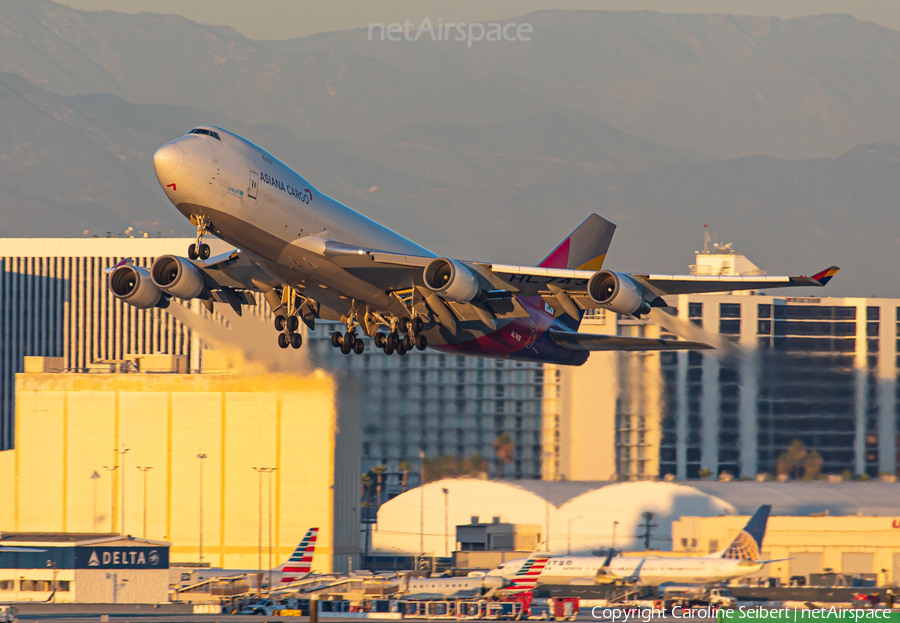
(599, 342)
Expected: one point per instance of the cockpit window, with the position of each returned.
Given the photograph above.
(215, 135)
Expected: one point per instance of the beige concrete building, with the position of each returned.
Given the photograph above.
(610, 423)
(82, 439)
(848, 545)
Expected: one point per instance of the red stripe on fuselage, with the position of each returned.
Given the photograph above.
(509, 338)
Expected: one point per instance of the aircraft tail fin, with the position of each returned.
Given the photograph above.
(527, 576)
(300, 562)
(747, 545)
(585, 248)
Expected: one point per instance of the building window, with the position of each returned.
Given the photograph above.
(713, 546)
(7, 585)
(729, 310)
(873, 313)
(764, 311)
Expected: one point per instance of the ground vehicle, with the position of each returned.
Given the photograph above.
(696, 595)
(264, 607)
(8, 614)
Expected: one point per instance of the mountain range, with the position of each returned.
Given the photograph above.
(783, 134)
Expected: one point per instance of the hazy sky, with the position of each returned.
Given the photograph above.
(283, 19)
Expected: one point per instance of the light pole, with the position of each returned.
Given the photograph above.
(95, 477)
(571, 519)
(269, 486)
(145, 470)
(422, 502)
(123, 453)
(260, 471)
(547, 455)
(615, 523)
(446, 524)
(201, 456)
(112, 496)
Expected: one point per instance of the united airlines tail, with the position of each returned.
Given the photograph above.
(747, 545)
(300, 562)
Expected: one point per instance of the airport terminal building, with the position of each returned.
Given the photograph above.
(84, 568)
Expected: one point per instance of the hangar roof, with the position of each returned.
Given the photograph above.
(586, 516)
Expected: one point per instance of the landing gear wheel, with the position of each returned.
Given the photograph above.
(408, 342)
(296, 340)
(349, 339)
(192, 252)
(279, 322)
(346, 347)
(380, 339)
(293, 323)
(336, 339)
(388, 349)
(359, 346)
(282, 340)
(203, 251)
(393, 340)
(421, 341)
(405, 325)
(401, 350)
(417, 325)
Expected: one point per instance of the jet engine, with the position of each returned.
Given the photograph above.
(451, 280)
(177, 277)
(617, 293)
(133, 285)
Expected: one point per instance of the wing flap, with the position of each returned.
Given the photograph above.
(601, 342)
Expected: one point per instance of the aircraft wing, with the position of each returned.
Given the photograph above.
(598, 342)
(534, 280)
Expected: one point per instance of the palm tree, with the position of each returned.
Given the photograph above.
(378, 471)
(503, 451)
(404, 468)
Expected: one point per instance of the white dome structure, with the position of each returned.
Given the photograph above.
(582, 515)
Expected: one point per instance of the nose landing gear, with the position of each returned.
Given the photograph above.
(200, 250)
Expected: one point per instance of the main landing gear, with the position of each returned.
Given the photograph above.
(392, 342)
(287, 320)
(402, 344)
(200, 250)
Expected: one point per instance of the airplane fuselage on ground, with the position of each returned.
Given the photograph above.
(647, 571)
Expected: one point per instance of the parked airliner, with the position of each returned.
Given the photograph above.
(742, 557)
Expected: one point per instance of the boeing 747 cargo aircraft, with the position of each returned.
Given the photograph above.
(312, 257)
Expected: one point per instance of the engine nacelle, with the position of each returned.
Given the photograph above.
(451, 280)
(177, 277)
(133, 285)
(617, 293)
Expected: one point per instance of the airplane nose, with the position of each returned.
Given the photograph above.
(183, 165)
(166, 159)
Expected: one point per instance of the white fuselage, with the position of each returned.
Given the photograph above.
(650, 571)
(451, 586)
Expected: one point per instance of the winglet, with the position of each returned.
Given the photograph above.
(826, 275)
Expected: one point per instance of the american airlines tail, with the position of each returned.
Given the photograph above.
(747, 545)
(527, 576)
(584, 249)
(300, 562)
